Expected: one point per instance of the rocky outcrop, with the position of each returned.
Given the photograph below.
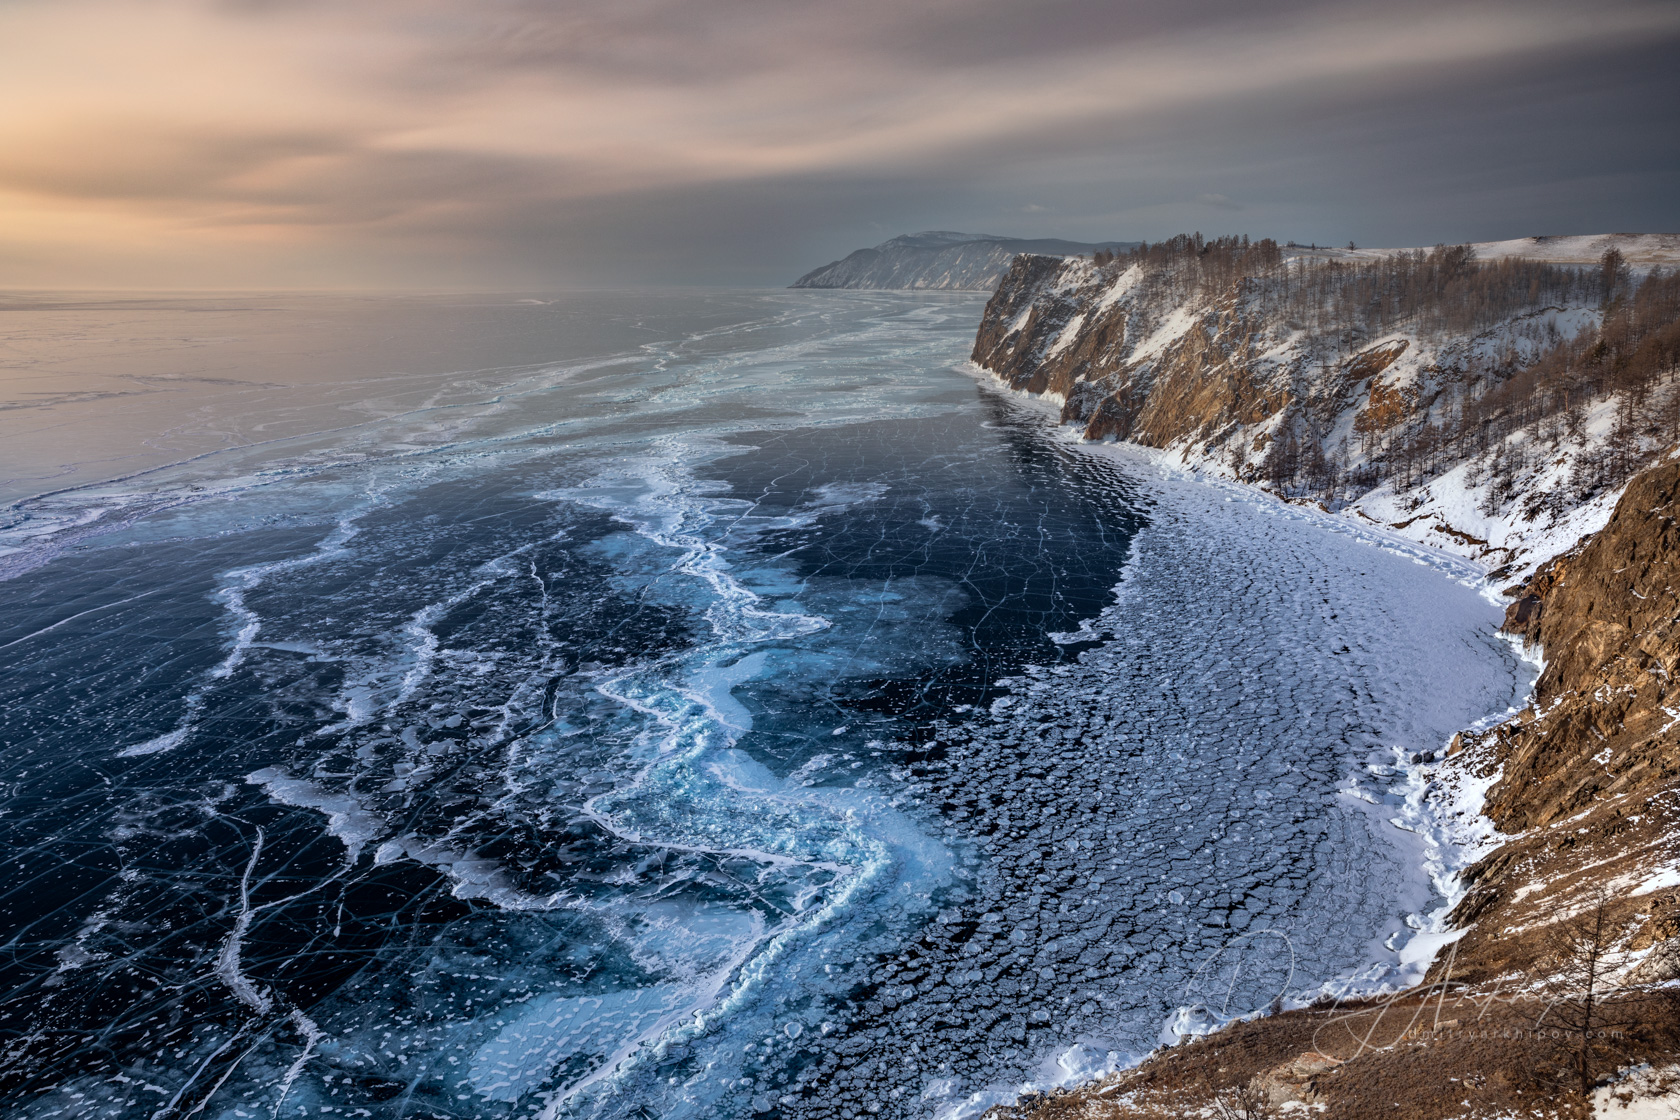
(940, 260)
(1583, 786)
(1588, 790)
(1131, 359)
(1429, 413)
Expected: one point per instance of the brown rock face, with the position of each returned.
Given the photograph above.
(1386, 408)
(1007, 343)
(1590, 774)
(1588, 783)
(1049, 329)
(1135, 357)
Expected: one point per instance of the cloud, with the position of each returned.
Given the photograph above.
(441, 139)
(1217, 200)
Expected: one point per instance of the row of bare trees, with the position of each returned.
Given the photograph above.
(1444, 290)
(1192, 266)
(1341, 304)
(1633, 357)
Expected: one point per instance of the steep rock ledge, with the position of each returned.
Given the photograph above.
(1180, 373)
(1589, 774)
(1490, 409)
(1583, 786)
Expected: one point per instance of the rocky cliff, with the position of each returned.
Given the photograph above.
(1588, 776)
(940, 260)
(1535, 431)
(1484, 407)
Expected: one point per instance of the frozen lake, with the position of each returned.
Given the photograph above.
(661, 705)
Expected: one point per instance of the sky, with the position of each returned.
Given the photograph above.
(529, 144)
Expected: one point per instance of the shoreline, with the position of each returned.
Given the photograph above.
(1449, 829)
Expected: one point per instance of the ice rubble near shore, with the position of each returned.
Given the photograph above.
(1206, 833)
(1210, 384)
(1490, 817)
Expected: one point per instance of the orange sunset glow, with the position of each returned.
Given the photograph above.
(196, 142)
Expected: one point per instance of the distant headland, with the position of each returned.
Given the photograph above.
(942, 260)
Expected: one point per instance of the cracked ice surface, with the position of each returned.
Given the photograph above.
(744, 725)
(1165, 823)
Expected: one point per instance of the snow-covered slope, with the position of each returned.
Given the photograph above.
(1431, 415)
(939, 259)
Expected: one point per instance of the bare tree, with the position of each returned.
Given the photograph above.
(1578, 947)
(1243, 1102)
(1598, 1020)
(1613, 273)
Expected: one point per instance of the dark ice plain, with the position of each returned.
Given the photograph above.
(706, 705)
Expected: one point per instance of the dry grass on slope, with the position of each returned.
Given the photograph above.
(1589, 774)
(1422, 1056)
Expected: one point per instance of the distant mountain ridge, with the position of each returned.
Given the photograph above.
(941, 260)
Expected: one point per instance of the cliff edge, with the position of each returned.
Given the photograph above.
(1491, 408)
(1522, 412)
(1587, 795)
